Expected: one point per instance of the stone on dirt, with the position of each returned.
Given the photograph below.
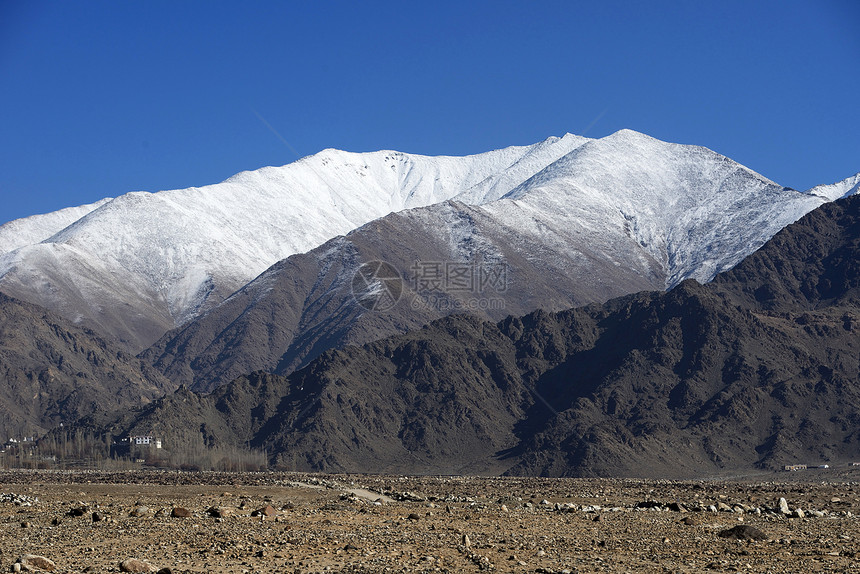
(743, 532)
(28, 561)
(135, 565)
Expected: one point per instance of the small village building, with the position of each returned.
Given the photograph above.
(145, 440)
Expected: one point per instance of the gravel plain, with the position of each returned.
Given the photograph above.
(290, 522)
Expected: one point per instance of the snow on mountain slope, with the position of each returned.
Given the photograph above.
(692, 209)
(37, 228)
(85, 290)
(537, 158)
(185, 250)
(613, 216)
(838, 190)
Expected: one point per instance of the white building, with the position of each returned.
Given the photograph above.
(145, 440)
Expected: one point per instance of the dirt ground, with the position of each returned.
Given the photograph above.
(92, 522)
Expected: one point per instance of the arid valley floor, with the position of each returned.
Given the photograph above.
(285, 522)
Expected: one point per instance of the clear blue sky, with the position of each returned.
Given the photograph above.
(102, 98)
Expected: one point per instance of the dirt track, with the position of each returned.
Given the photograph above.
(432, 524)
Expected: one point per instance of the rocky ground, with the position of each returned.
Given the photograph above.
(284, 522)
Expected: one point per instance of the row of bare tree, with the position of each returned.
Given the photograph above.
(66, 448)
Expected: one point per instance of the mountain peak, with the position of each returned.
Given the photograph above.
(630, 134)
(839, 190)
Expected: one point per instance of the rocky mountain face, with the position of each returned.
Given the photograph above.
(54, 371)
(759, 368)
(613, 216)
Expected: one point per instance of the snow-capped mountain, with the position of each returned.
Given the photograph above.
(838, 190)
(142, 263)
(690, 209)
(655, 213)
(37, 228)
(613, 216)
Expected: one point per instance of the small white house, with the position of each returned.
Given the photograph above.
(145, 440)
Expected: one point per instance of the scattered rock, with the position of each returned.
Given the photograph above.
(783, 506)
(362, 537)
(98, 516)
(179, 512)
(743, 532)
(18, 499)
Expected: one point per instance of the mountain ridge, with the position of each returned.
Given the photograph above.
(186, 250)
(601, 221)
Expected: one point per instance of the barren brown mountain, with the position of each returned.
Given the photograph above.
(55, 371)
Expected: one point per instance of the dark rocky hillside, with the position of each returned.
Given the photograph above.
(53, 371)
(758, 369)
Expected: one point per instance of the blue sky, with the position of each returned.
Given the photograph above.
(102, 98)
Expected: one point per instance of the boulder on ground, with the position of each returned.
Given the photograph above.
(29, 561)
(743, 532)
(135, 565)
